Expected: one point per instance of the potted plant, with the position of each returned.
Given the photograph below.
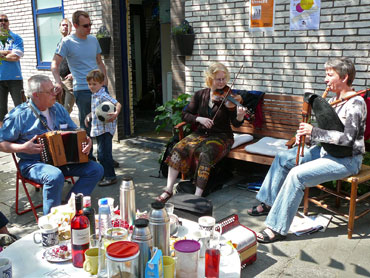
(104, 40)
(183, 37)
(4, 35)
(169, 114)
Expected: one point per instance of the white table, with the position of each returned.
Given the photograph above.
(27, 260)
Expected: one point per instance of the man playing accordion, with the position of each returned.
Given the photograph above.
(283, 187)
(21, 127)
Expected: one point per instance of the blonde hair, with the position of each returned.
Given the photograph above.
(210, 73)
(95, 75)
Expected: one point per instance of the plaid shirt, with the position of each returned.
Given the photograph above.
(98, 127)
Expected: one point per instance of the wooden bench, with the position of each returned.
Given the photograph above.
(281, 115)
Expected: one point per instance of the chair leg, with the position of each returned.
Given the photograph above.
(352, 207)
(33, 207)
(305, 200)
(339, 187)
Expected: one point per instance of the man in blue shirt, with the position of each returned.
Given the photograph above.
(82, 52)
(10, 68)
(20, 130)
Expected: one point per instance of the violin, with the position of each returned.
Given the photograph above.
(232, 100)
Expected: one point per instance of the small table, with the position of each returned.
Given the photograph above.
(27, 260)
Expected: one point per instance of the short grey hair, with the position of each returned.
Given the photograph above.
(343, 66)
(34, 84)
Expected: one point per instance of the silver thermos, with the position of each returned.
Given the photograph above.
(159, 223)
(127, 200)
(142, 236)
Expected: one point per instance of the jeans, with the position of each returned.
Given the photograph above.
(105, 154)
(83, 101)
(284, 185)
(52, 178)
(3, 220)
(14, 87)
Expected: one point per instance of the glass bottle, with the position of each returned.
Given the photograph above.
(80, 234)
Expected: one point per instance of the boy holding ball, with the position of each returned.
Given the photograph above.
(103, 131)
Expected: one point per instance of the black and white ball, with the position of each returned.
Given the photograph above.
(103, 109)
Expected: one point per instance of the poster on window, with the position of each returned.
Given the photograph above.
(261, 15)
(305, 14)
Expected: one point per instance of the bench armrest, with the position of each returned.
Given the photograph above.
(290, 143)
(180, 128)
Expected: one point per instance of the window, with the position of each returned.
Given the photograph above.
(47, 15)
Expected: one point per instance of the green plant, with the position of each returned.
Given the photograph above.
(169, 114)
(102, 33)
(183, 28)
(4, 35)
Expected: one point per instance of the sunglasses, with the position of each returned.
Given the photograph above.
(87, 25)
(4, 20)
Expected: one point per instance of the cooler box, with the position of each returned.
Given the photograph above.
(242, 237)
(191, 207)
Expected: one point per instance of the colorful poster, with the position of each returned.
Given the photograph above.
(305, 14)
(261, 15)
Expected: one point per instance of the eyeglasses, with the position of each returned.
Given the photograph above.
(87, 25)
(52, 91)
(4, 20)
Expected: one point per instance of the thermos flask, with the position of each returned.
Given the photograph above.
(142, 236)
(159, 223)
(127, 200)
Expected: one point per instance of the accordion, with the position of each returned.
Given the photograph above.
(63, 147)
(243, 238)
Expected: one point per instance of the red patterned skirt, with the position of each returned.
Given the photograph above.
(196, 154)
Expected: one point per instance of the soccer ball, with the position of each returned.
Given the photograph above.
(103, 109)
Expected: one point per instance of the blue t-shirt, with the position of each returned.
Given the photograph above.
(12, 70)
(81, 58)
(21, 124)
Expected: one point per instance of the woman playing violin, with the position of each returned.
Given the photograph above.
(198, 152)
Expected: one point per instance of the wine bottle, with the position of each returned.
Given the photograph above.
(89, 212)
(80, 234)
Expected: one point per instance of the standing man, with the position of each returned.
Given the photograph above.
(82, 52)
(68, 99)
(11, 51)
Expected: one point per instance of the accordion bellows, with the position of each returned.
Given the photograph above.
(63, 147)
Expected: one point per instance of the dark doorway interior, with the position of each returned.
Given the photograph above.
(146, 64)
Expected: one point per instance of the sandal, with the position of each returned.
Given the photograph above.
(164, 199)
(266, 238)
(255, 212)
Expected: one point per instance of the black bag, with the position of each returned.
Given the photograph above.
(218, 176)
(63, 68)
(191, 207)
(328, 119)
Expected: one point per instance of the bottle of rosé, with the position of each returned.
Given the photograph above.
(80, 234)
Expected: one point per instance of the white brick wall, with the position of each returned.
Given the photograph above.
(282, 61)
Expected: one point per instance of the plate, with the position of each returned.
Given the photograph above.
(51, 254)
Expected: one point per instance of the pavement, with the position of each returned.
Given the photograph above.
(322, 254)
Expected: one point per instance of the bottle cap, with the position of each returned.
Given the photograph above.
(86, 201)
(158, 205)
(141, 223)
(103, 201)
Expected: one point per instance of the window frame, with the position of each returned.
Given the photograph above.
(36, 12)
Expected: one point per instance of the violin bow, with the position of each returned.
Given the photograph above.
(228, 92)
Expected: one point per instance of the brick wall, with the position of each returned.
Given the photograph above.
(101, 13)
(281, 61)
